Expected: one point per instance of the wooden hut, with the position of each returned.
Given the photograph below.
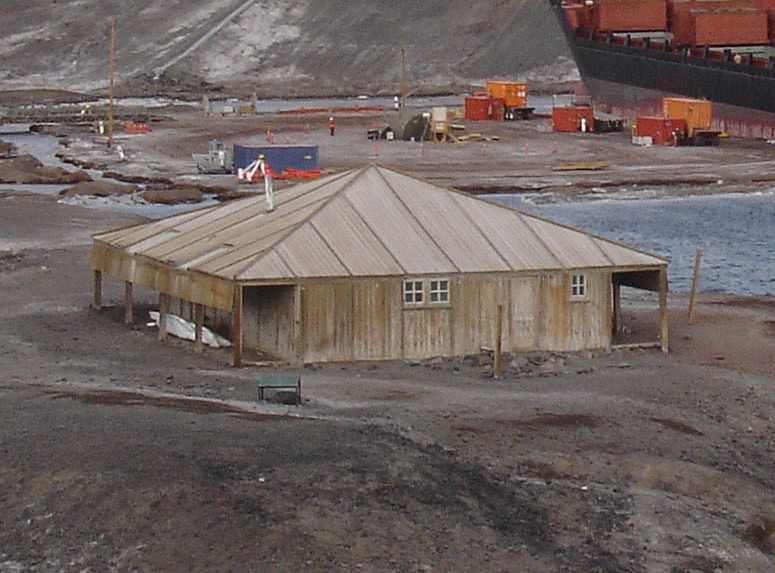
(372, 264)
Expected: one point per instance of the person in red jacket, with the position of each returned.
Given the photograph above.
(331, 125)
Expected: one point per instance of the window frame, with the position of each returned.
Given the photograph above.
(579, 286)
(413, 292)
(438, 291)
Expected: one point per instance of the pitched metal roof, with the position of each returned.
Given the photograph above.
(368, 222)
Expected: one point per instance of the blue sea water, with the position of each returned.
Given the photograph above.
(736, 233)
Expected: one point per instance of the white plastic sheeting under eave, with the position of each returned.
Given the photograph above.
(182, 328)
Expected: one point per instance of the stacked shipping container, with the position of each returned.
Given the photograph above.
(692, 22)
(720, 22)
(629, 15)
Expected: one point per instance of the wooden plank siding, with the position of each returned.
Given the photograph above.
(179, 283)
(267, 322)
(351, 320)
(567, 325)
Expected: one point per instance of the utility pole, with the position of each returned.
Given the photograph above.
(404, 88)
(111, 78)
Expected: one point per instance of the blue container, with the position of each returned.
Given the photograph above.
(278, 157)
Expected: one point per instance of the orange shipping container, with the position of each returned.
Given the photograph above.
(730, 29)
(478, 107)
(720, 28)
(771, 15)
(659, 129)
(697, 113)
(630, 15)
(569, 119)
(514, 94)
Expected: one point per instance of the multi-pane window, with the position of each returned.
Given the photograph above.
(439, 291)
(413, 292)
(578, 286)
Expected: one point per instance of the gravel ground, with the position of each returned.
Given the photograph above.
(121, 453)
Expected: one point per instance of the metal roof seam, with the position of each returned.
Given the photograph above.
(311, 223)
(533, 232)
(476, 225)
(247, 219)
(421, 226)
(292, 231)
(374, 233)
(526, 214)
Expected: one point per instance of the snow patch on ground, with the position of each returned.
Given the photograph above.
(243, 48)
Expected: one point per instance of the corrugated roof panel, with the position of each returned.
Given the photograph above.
(217, 230)
(308, 256)
(625, 256)
(137, 233)
(509, 234)
(349, 237)
(263, 236)
(573, 249)
(252, 228)
(269, 267)
(390, 220)
(237, 260)
(367, 222)
(451, 228)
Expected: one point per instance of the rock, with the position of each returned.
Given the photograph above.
(99, 189)
(624, 365)
(27, 170)
(174, 195)
(5, 149)
(519, 362)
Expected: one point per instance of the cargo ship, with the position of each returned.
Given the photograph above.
(632, 53)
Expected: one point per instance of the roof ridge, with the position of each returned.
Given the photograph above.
(527, 214)
(294, 229)
(419, 223)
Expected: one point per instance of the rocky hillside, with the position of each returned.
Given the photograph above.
(277, 47)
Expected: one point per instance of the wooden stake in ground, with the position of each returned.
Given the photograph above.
(128, 314)
(695, 284)
(111, 78)
(237, 326)
(497, 367)
(663, 311)
(97, 290)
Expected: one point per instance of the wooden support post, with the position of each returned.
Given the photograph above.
(663, 314)
(97, 289)
(298, 332)
(617, 317)
(164, 302)
(128, 315)
(199, 319)
(236, 319)
(497, 366)
(695, 284)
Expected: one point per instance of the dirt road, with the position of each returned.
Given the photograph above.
(524, 157)
(632, 461)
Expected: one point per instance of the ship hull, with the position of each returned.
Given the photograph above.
(632, 81)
